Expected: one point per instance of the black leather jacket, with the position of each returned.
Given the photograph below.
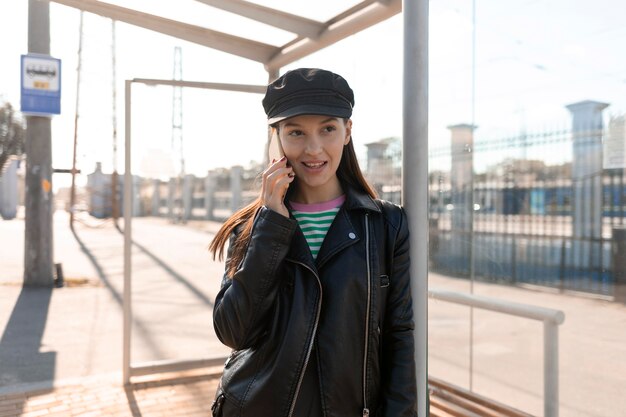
(353, 302)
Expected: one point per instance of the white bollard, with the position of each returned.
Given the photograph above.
(8, 190)
(235, 187)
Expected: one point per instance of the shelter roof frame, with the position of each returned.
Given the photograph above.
(311, 36)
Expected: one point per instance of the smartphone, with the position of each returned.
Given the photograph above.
(275, 150)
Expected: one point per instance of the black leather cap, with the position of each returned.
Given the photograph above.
(308, 91)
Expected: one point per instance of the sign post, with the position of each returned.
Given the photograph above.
(41, 93)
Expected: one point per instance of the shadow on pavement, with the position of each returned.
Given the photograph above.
(184, 281)
(21, 361)
(132, 401)
(142, 329)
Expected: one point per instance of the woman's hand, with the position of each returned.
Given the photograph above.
(276, 180)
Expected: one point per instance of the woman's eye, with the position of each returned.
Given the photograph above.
(295, 133)
(329, 129)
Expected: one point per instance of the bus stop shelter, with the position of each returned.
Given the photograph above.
(309, 36)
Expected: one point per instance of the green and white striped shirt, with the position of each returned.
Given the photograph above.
(315, 220)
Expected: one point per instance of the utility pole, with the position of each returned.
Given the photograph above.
(76, 115)
(38, 250)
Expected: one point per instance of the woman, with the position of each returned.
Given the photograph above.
(315, 301)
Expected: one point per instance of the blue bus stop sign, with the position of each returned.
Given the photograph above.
(41, 85)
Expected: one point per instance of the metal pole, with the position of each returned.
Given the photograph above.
(618, 260)
(236, 172)
(209, 190)
(502, 306)
(415, 177)
(78, 72)
(177, 134)
(622, 215)
(38, 250)
(114, 178)
(470, 203)
(272, 74)
(551, 368)
(128, 207)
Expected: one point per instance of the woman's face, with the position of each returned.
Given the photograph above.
(313, 145)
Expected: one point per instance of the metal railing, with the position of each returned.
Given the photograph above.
(551, 320)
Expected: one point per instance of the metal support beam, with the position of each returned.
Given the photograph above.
(128, 212)
(369, 16)
(242, 88)
(506, 307)
(415, 177)
(356, 9)
(550, 369)
(312, 35)
(292, 23)
(256, 51)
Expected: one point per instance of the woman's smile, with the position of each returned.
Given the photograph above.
(314, 166)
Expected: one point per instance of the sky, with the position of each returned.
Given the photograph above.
(532, 58)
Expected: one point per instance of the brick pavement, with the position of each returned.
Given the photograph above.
(184, 395)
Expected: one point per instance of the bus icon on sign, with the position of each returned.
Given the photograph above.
(41, 71)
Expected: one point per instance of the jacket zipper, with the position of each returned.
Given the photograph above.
(366, 411)
(308, 354)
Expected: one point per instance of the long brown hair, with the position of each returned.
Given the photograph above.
(349, 174)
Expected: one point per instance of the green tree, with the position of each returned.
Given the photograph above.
(12, 134)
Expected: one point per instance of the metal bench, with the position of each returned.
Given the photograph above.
(447, 400)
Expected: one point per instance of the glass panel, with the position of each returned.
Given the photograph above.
(527, 198)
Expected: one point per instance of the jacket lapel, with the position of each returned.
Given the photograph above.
(299, 250)
(343, 232)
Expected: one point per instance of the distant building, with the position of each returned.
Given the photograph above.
(99, 193)
(384, 167)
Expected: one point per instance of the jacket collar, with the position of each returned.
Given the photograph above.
(341, 234)
(356, 199)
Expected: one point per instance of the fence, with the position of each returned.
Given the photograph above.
(531, 220)
(543, 208)
(531, 209)
(214, 197)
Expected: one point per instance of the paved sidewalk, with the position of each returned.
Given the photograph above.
(185, 396)
(61, 349)
(76, 331)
